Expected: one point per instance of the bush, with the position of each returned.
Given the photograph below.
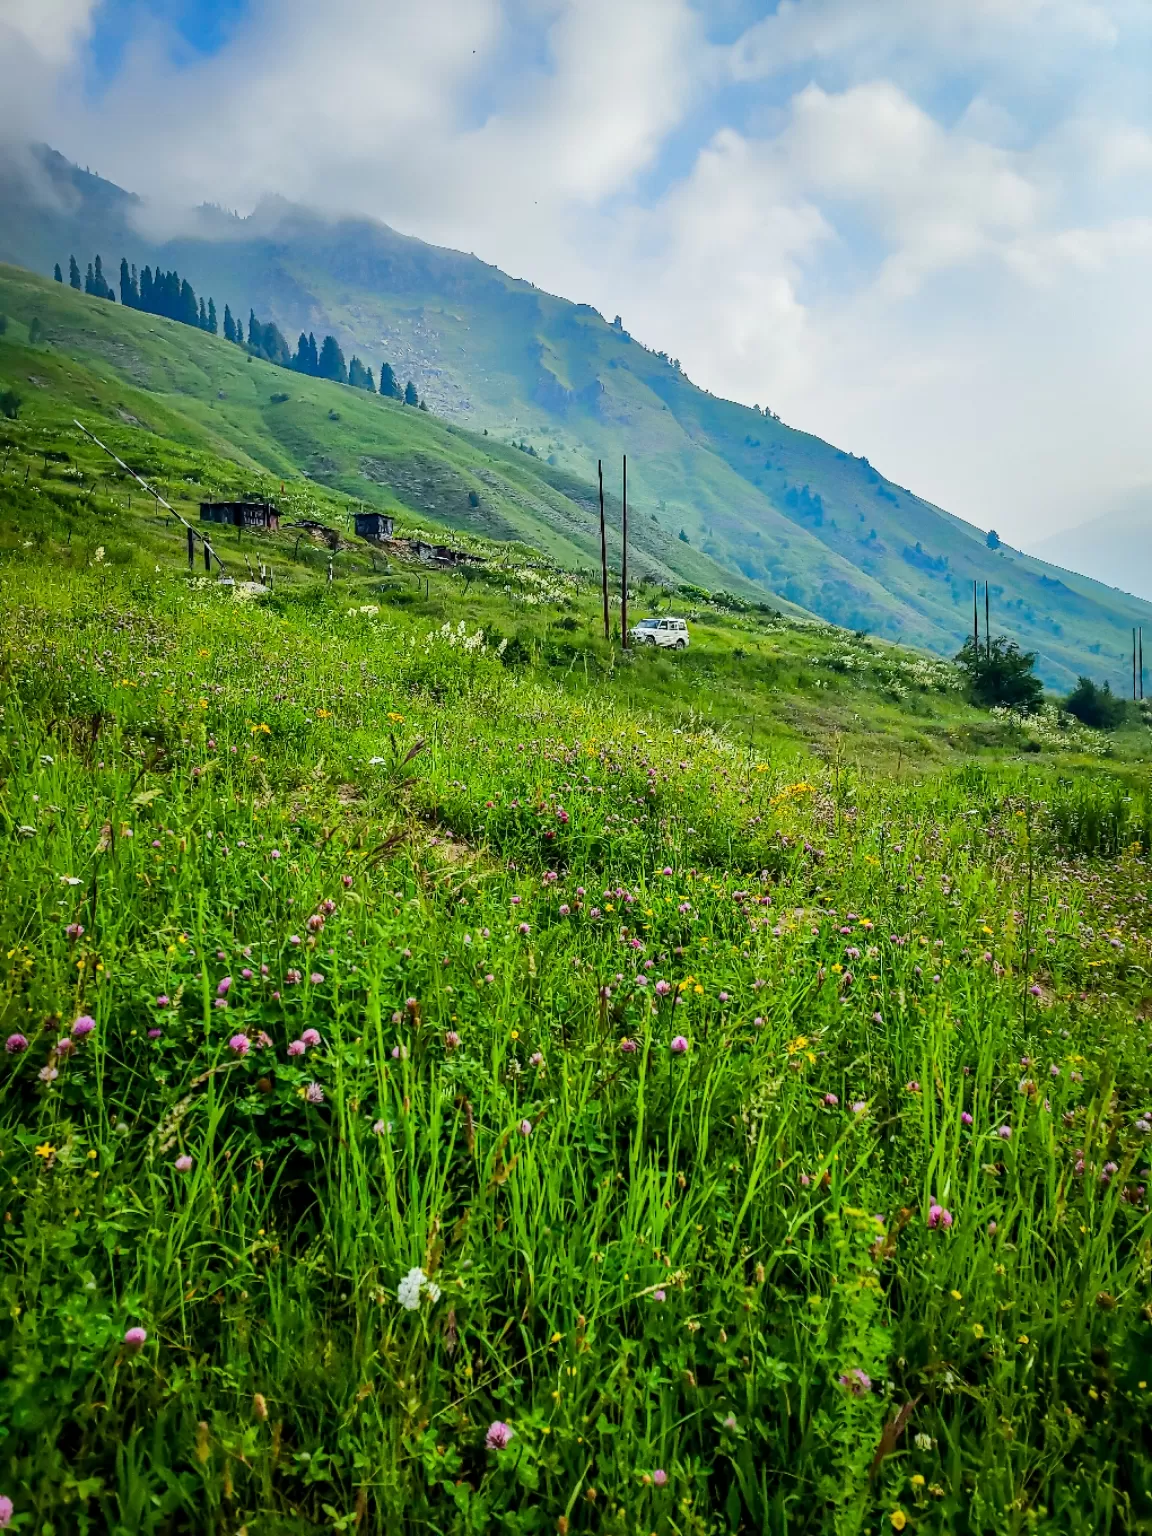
(1001, 673)
(1097, 707)
(10, 403)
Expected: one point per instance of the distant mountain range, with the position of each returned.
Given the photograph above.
(1114, 547)
(721, 485)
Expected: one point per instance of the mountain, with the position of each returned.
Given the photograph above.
(1115, 548)
(785, 511)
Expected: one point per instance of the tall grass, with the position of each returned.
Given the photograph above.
(870, 1251)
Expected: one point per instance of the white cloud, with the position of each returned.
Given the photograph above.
(52, 29)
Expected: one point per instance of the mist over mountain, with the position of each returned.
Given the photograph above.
(1115, 547)
(770, 504)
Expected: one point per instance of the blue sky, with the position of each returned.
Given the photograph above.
(921, 228)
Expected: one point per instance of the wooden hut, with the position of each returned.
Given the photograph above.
(374, 525)
(241, 514)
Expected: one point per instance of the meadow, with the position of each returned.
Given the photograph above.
(434, 1100)
(459, 1079)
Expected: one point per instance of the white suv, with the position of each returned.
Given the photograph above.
(670, 632)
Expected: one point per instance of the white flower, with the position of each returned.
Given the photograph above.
(415, 1284)
(375, 762)
(69, 880)
(924, 1442)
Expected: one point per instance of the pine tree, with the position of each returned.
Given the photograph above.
(360, 377)
(229, 325)
(388, 384)
(253, 329)
(423, 405)
(410, 395)
(331, 362)
(189, 310)
(212, 316)
(313, 357)
(147, 291)
(301, 360)
(73, 273)
(89, 280)
(99, 282)
(203, 318)
(129, 287)
(57, 274)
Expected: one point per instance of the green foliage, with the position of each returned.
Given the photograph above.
(1001, 673)
(388, 385)
(73, 273)
(10, 403)
(331, 363)
(993, 539)
(1095, 706)
(410, 395)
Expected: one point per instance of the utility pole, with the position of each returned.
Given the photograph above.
(603, 553)
(1133, 664)
(1140, 637)
(987, 624)
(624, 562)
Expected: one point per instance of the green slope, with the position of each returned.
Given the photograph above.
(778, 507)
(207, 393)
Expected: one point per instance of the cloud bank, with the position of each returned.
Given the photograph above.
(916, 230)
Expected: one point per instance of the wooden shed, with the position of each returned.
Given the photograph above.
(241, 514)
(374, 525)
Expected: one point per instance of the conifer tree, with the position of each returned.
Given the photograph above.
(360, 377)
(89, 280)
(212, 316)
(189, 310)
(301, 360)
(229, 325)
(147, 291)
(331, 361)
(73, 273)
(388, 384)
(57, 274)
(410, 395)
(423, 405)
(203, 317)
(129, 286)
(313, 357)
(253, 329)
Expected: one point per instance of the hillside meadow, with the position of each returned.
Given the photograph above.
(459, 1079)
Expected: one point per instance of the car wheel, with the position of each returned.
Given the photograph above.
(680, 644)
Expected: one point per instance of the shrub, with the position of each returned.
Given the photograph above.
(1001, 673)
(10, 403)
(1097, 707)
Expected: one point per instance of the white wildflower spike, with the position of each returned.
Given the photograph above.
(414, 1285)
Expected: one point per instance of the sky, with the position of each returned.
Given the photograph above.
(921, 229)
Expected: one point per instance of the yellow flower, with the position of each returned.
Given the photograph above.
(899, 1519)
(977, 1330)
(956, 1296)
(323, 714)
(917, 1480)
(395, 718)
(203, 652)
(203, 703)
(1023, 1339)
(515, 1034)
(45, 1150)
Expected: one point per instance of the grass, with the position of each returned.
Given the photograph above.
(869, 1252)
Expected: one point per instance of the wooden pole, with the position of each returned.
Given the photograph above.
(603, 553)
(191, 550)
(987, 623)
(624, 561)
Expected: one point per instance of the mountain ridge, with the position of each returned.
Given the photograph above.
(788, 512)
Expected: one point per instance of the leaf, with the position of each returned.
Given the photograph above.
(145, 797)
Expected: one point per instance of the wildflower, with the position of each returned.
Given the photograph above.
(135, 1339)
(938, 1216)
(223, 986)
(48, 1074)
(246, 974)
(74, 931)
(346, 881)
(913, 1086)
(183, 1163)
(220, 1002)
(659, 1295)
(84, 1025)
(663, 988)
(628, 1046)
(399, 1053)
(316, 978)
(378, 1128)
(659, 1477)
(679, 1045)
(314, 1093)
(311, 1037)
(564, 909)
(856, 1383)
(296, 1048)
(525, 1127)
(859, 1107)
(15, 1044)
(831, 1099)
(291, 977)
(923, 1442)
(163, 1001)
(723, 997)
(65, 1047)
(315, 923)
(498, 1436)
(1005, 1133)
(6, 1508)
(524, 929)
(536, 1059)
(899, 1519)
(414, 1285)
(451, 1040)
(240, 1044)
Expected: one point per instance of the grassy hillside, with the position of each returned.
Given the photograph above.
(159, 376)
(459, 1080)
(780, 507)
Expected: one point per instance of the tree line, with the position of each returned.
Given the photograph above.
(170, 295)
